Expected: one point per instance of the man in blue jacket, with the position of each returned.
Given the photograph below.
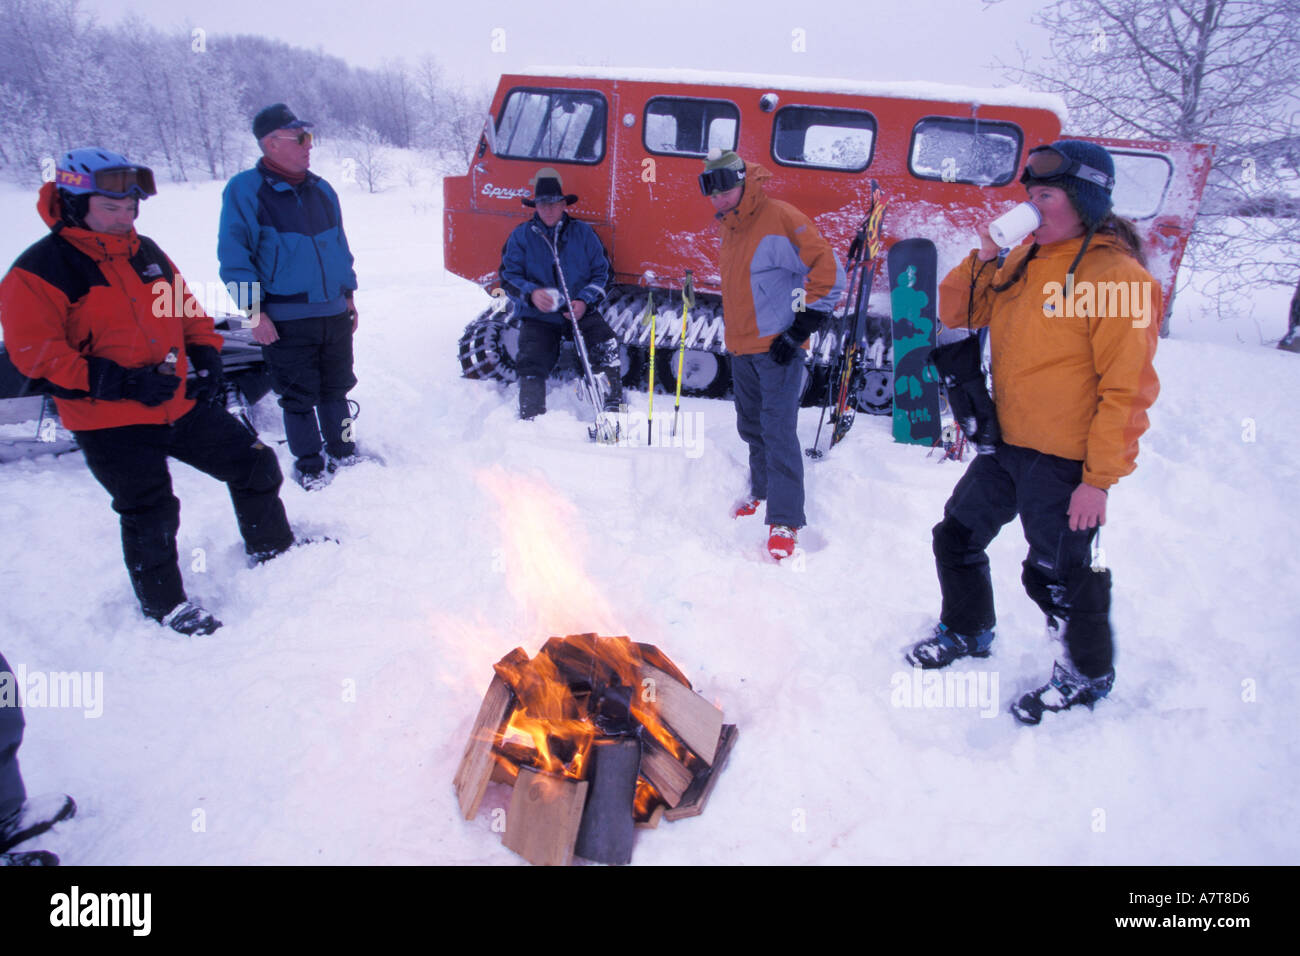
(528, 276)
(281, 239)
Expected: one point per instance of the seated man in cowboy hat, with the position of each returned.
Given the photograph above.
(529, 276)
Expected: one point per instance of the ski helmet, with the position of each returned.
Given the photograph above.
(91, 171)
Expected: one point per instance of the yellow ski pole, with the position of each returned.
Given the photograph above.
(688, 303)
(650, 411)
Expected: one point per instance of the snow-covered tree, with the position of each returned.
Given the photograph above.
(1225, 72)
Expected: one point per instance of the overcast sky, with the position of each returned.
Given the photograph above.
(951, 41)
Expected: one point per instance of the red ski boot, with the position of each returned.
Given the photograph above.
(781, 540)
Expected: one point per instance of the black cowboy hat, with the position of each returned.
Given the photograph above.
(547, 187)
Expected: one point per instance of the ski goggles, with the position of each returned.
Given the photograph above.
(117, 183)
(1046, 163)
(302, 137)
(720, 180)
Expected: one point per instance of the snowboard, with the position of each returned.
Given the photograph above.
(913, 297)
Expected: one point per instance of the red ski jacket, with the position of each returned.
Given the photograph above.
(78, 293)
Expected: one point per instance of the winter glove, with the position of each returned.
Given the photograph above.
(788, 344)
(113, 383)
(784, 348)
(209, 381)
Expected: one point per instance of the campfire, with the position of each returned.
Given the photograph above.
(598, 736)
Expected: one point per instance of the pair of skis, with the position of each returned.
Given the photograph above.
(864, 253)
(605, 428)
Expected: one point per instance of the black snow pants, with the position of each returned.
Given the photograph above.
(1057, 572)
(539, 348)
(131, 463)
(311, 371)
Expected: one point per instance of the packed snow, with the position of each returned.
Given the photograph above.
(324, 722)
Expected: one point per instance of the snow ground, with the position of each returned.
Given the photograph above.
(324, 722)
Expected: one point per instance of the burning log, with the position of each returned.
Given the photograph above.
(544, 815)
(591, 710)
(478, 763)
(608, 827)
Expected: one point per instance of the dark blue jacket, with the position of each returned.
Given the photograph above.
(527, 264)
(290, 240)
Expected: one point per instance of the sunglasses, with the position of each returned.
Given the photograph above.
(121, 182)
(720, 180)
(1045, 163)
(302, 138)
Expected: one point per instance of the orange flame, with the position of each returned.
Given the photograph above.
(552, 725)
(542, 556)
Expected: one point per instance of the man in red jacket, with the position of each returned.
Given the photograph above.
(91, 309)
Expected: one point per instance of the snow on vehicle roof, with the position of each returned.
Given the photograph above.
(898, 89)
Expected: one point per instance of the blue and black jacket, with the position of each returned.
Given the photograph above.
(290, 240)
(527, 264)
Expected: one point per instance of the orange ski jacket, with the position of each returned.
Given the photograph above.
(78, 293)
(770, 251)
(1073, 371)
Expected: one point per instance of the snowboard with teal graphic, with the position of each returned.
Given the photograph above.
(913, 298)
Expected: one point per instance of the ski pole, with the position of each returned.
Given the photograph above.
(650, 410)
(688, 303)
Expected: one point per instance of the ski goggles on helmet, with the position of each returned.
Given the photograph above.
(720, 180)
(119, 182)
(1046, 163)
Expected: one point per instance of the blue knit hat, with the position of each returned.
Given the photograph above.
(1091, 199)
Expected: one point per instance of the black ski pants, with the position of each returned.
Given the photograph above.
(311, 370)
(539, 345)
(1057, 571)
(131, 463)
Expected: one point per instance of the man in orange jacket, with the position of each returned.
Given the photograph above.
(780, 280)
(91, 309)
(1073, 320)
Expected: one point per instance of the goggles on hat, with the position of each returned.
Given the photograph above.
(1046, 163)
(720, 180)
(118, 183)
(302, 137)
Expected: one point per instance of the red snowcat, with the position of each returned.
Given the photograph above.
(630, 143)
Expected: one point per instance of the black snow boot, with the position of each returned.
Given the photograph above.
(30, 858)
(614, 396)
(190, 619)
(1063, 691)
(532, 397)
(34, 817)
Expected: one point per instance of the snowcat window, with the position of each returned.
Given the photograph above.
(560, 125)
(975, 151)
(689, 127)
(823, 138)
(1141, 181)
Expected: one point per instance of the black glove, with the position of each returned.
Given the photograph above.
(209, 379)
(784, 348)
(113, 383)
(787, 345)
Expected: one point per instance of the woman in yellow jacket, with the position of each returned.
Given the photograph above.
(1073, 323)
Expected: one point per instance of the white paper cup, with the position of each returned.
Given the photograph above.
(554, 296)
(1011, 227)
